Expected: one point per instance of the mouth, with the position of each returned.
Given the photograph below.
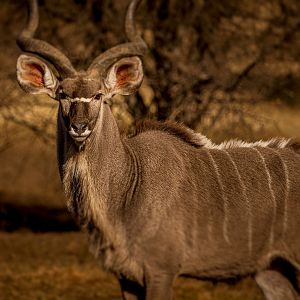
(79, 138)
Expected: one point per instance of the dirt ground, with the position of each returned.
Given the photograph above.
(54, 266)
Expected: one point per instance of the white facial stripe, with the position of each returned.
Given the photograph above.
(85, 79)
(81, 99)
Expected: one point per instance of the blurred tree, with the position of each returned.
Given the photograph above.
(205, 57)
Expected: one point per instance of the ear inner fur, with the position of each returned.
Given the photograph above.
(124, 74)
(35, 77)
(35, 74)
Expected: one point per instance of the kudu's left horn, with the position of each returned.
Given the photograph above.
(41, 48)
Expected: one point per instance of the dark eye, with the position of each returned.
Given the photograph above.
(98, 96)
(62, 95)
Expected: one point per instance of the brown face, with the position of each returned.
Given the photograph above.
(117, 70)
(80, 115)
(81, 96)
(80, 100)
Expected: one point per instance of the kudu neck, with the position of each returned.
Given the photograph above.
(108, 161)
(105, 150)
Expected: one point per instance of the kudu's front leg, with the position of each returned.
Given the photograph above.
(131, 290)
(159, 286)
(275, 286)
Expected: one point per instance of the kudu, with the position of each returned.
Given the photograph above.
(165, 202)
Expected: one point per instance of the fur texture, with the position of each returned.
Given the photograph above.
(166, 202)
(198, 140)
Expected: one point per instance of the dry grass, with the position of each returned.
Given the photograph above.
(59, 266)
(51, 266)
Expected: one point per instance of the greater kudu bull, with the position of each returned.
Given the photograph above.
(166, 201)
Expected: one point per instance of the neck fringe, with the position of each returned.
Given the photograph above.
(198, 140)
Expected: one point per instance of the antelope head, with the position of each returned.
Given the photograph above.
(81, 93)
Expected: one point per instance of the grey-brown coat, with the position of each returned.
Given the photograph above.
(165, 202)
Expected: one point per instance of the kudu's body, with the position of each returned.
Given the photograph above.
(167, 202)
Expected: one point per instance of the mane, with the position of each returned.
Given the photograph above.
(277, 143)
(172, 128)
(198, 140)
(295, 146)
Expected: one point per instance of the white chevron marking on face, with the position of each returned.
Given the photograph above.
(81, 99)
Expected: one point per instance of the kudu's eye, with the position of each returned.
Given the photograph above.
(98, 96)
(62, 95)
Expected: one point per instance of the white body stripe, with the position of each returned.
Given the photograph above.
(286, 197)
(286, 193)
(273, 199)
(224, 198)
(248, 205)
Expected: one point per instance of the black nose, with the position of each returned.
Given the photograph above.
(79, 127)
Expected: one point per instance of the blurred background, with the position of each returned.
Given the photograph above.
(228, 69)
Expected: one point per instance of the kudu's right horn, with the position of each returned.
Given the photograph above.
(28, 43)
(135, 47)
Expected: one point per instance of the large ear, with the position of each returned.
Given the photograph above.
(35, 77)
(125, 76)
